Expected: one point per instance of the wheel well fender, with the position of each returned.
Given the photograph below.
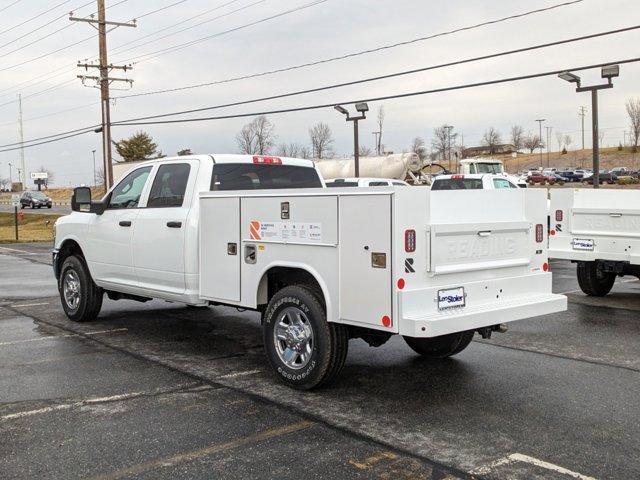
(67, 248)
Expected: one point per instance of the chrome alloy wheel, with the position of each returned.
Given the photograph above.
(71, 289)
(293, 338)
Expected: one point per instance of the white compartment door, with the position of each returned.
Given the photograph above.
(220, 249)
(365, 233)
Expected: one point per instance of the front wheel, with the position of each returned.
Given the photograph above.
(81, 297)
(303, 348)
(593, 281)
(440, 347)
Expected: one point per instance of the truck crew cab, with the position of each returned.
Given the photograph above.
(321, 265)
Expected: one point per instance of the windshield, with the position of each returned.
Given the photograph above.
(39, 196)
(486, 168)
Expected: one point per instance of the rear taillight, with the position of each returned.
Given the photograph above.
(539, 233)
(559, 215)
(409, 241)
(267, 160)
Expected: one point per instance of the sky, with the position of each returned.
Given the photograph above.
(56, 101)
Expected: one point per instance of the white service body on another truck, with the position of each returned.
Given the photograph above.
(322, 265)
(598, 229)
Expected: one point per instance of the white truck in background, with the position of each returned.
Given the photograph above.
(600, 231)
(321, 265)
(488, 165)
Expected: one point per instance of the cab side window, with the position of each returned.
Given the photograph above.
(127, 192)
(169, 185)
(502, 183)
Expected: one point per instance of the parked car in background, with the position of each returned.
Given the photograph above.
(35, 200)
(472, 182)
(585, 172)
(605, 177)
(570, 176)
(622, 171)
(541, 177)
(365, 182)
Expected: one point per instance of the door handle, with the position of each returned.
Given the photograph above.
(174, 224)
(124, 223)
(616, 215)
(484, 233)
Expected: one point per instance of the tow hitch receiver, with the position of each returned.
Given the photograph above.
(485, 332)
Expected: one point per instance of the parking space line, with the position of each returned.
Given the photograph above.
(519, 457)
(240, 374)
(29, 305)
(23, 252)
(90, 401)
(204, 452)
(49, 337)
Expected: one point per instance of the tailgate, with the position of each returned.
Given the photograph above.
(609, 222)
(465, 247)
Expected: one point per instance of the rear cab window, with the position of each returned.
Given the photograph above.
(250, 176)
(457, 184)
(499, 183)
(341, 184)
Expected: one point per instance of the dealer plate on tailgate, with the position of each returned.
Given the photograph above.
(583, 244)
(451, 298)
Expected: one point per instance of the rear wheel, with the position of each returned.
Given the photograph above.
(303, 348)
(440, 347)
(593, 281)
(81, 297)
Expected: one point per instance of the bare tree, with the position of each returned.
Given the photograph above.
(418, 147)
(256, 137)
(531, 142)
(321, 140)
(568, 140)
(365, 151)
(601, 137)
(290, 149)
(491, 139)
(560, 140)
(305, 152)
(184, 152)
(5, 184)
(50, 176)
(380, 121)
(633, 109)
(100, 180)
(517, 136)
(443, 141)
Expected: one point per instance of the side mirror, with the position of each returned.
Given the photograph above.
(81, 198)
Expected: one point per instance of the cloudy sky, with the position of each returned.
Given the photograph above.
(55, 101)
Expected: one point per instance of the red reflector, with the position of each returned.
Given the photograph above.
(545, 267)
(457, 177)
(539, 233)
(559, 215)
(401, 283)
(267, 160)
(552, 232)
(409, 241)
(386, 321)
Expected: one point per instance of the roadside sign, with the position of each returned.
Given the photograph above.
(15, 200)
(39, 175)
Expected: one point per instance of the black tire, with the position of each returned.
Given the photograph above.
(441, 347)
(89, 297)
(48, 206)
(33, 205)
(593, 281)
(328, 347)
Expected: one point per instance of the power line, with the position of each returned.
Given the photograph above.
(87, 129)
(34, 17)
(190, 27)
(10, 5)
(391, 75)
(174, 48)
(376, 49)
(49, 141)
(54, 87)
(381, 77)
(386, 97)
(158, 10)
(52, 114)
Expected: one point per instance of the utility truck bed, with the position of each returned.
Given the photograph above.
(598, 229)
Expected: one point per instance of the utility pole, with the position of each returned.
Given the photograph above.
(449, 128)
(540, 120)
(21, 134)
(548, 142)
(94, 168)
(103, 81)
(377, 142)
(583, 112)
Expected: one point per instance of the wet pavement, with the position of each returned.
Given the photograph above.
(158, 390)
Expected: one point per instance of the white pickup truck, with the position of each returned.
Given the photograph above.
(321, 265)
(598, 229)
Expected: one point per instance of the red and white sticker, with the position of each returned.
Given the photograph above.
(300, 232)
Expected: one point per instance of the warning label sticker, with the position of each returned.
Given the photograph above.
(286, 231)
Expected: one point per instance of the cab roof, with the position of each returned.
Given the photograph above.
(233, 158)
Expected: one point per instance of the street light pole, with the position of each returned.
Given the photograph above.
(540, 120)
(449, 128)
(548, 141)
(362, 108)
(609, 72)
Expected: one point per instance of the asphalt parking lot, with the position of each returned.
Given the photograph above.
(158, 390)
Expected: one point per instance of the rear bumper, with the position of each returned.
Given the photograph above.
(488, 303)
